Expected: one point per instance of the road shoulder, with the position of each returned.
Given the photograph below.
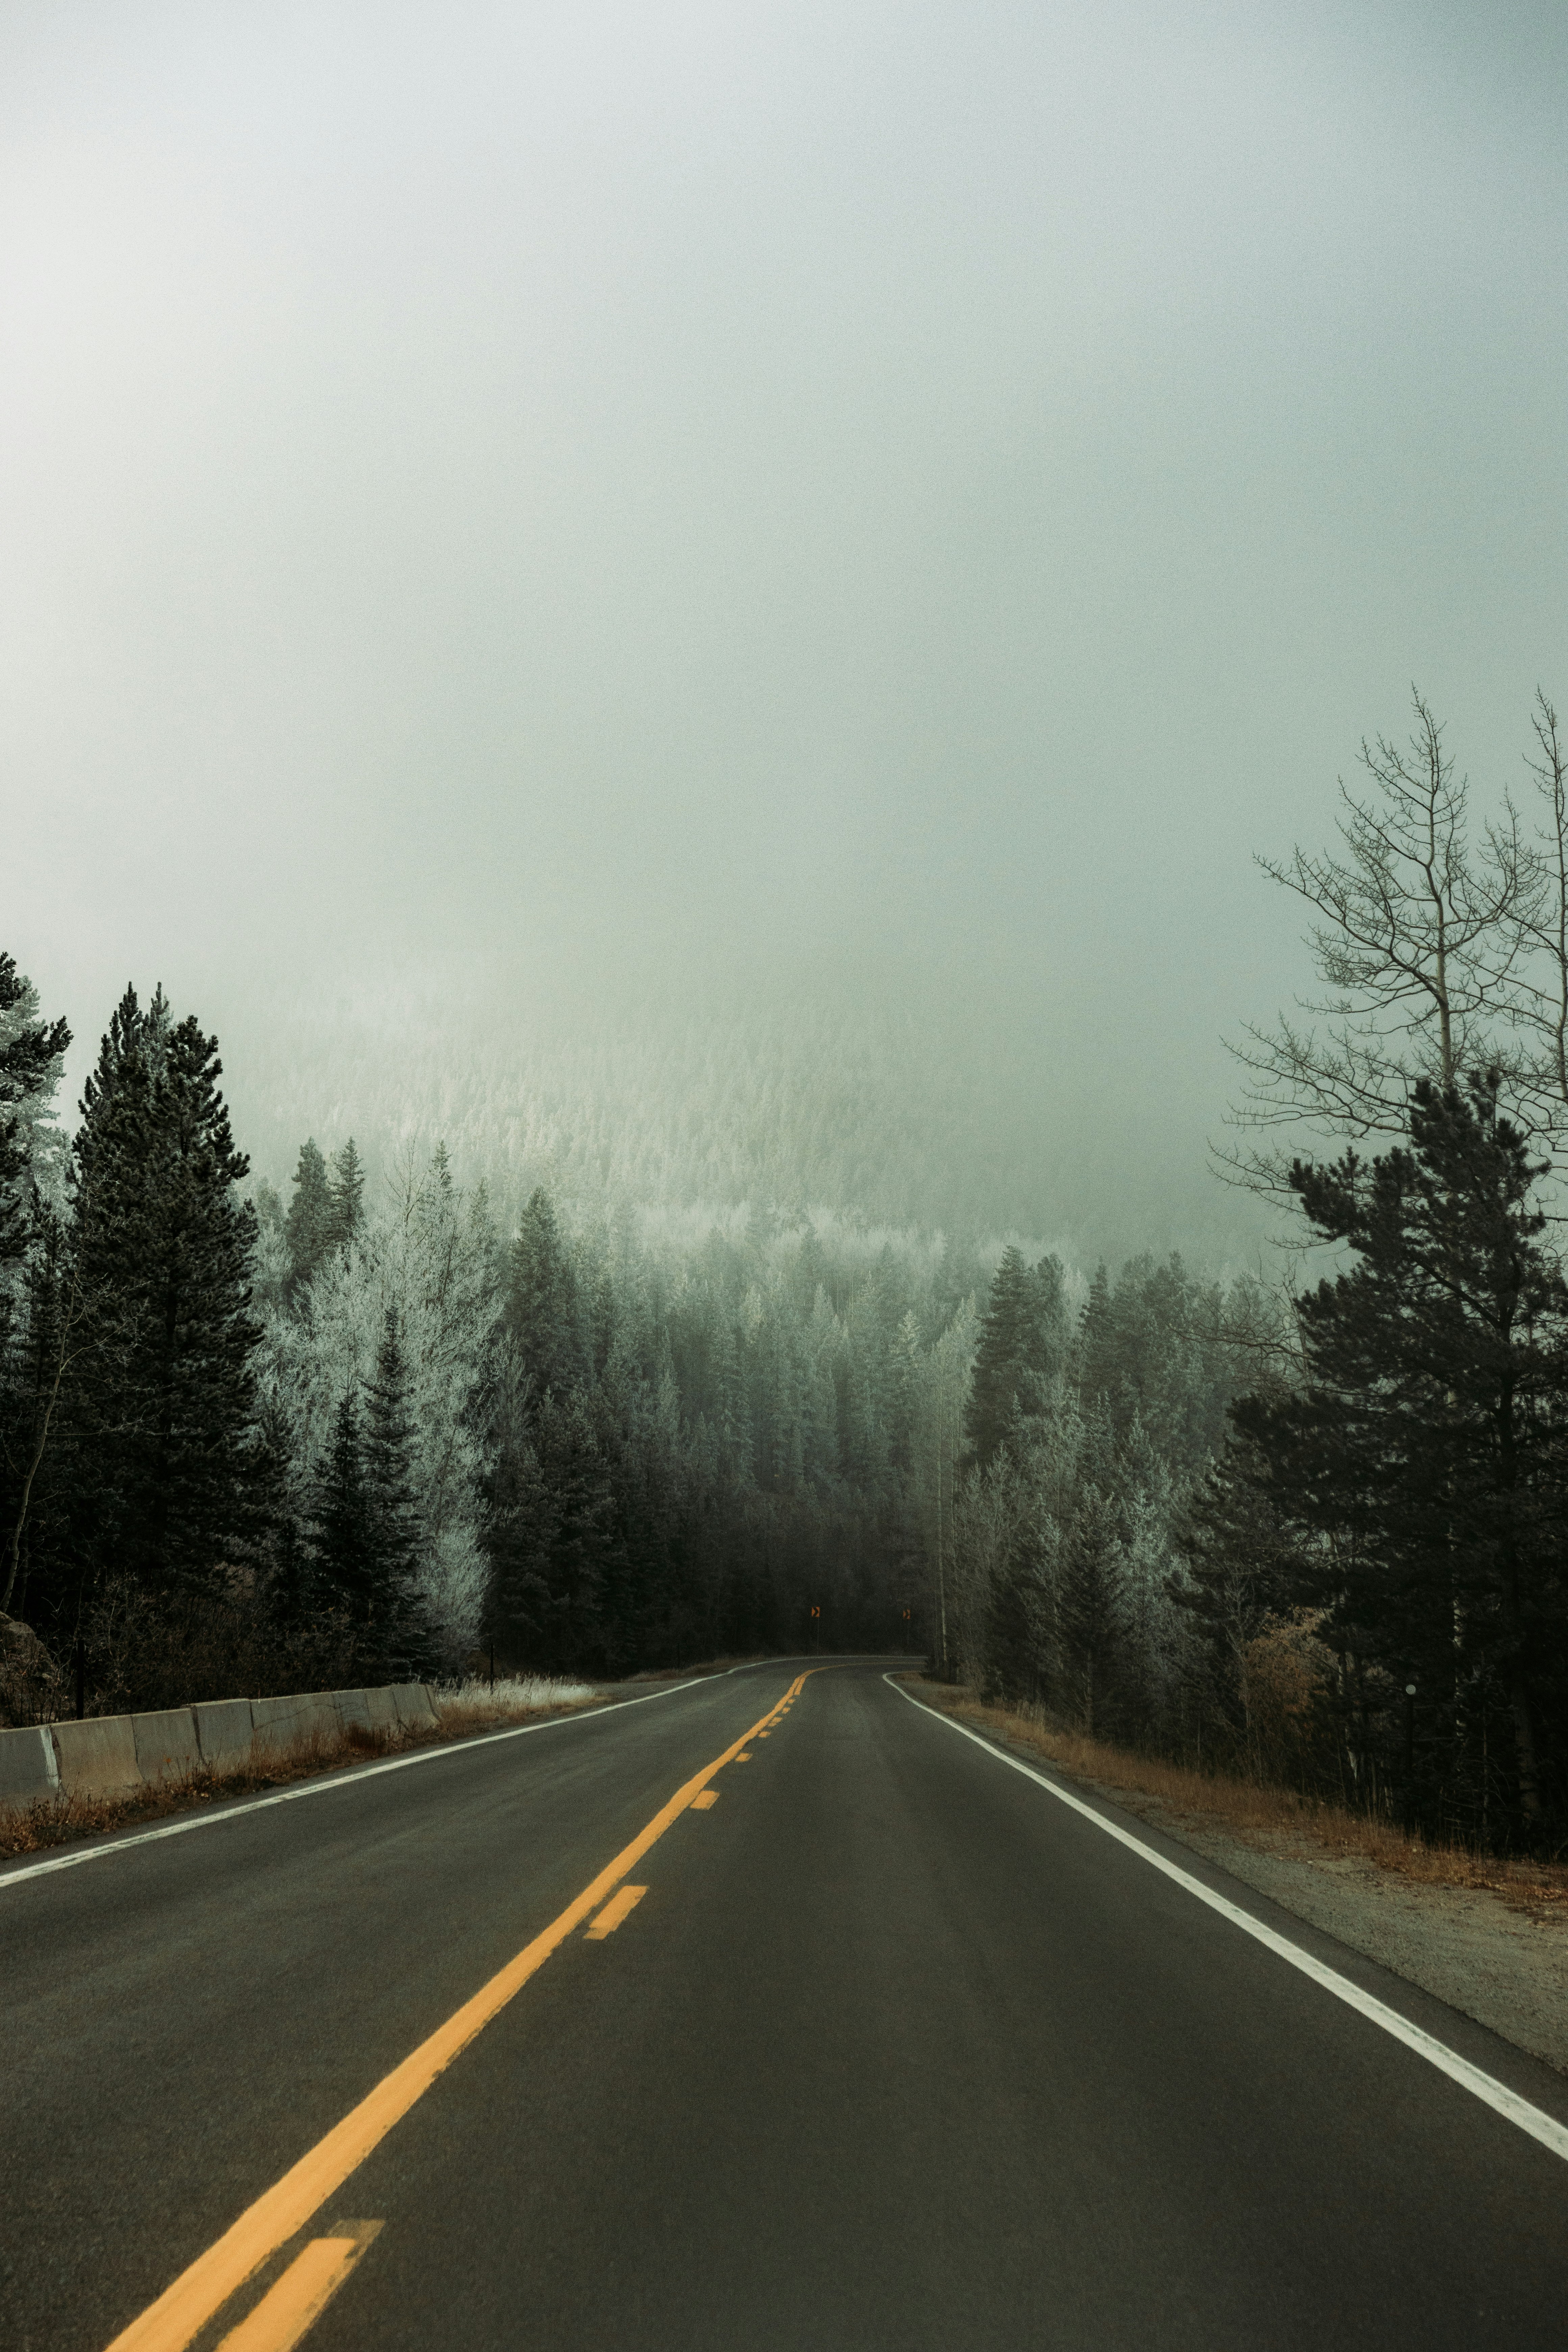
(1505, 1967)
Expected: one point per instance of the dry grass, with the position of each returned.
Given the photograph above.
(478, 1704)
(464, 1709)
(1257, 1812)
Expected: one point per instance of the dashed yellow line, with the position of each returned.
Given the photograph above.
(290, 2308)
(614, 1912)
(200, 2293)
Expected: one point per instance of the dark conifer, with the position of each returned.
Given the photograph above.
(343, 1535)
(1242, 1565)
(1092, 1614)
(311, 1225)
(1019, 1350)
(1431, 1440)
(162, 1398)
(552, 1539)
(543, 1311)
(389, 1475)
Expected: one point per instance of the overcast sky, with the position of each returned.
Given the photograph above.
(601, 507)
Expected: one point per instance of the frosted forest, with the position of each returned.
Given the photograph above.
(372, 1419)
(349, 1426)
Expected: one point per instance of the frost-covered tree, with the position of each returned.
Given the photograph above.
(1020, 1348)
(345, 1193)
(428, 1259)
(32, 1052)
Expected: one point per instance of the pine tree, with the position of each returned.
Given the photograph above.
(342, 1533)
(1018, 1609)
(391, 1508)
(311, 1225)
(346, 1190)
(1093, 1608)
(33, 1340)
(1241, 1565)
(552, 1539)
(1431, 1440)
(543, 1315)
(163, 1401)
(1020, 1348)
(31, 1050)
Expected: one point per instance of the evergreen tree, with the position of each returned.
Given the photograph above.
(391, 1502)
(542, 1308)
(342, 1526)
(1019, 1350)
(31, 1051)
(162, 1398)
(346, 1190)
(312, 1223)
(1242, 1562)
(552, 1537)
(33, 1317)
(1018, 1611)
(1241, 1566)
(1429, 1442)
(1093, 1608)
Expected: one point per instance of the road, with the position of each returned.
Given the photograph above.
(896, 2049)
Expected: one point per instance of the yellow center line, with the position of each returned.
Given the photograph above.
(703, 1798)
(614, 1912)
(200, 2292)
(289, 2310)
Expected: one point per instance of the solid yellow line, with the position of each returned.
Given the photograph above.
(290, 2308)
(185, 2307)
(614, 1912)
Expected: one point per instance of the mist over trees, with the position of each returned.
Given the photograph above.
(361, 1429)
(1318, 1535)
(358, 1428)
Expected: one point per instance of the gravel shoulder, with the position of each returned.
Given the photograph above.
(1507, 1968)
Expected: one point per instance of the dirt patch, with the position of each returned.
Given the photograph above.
(1489, 1937)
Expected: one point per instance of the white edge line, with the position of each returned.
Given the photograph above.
(328, 1781)
(1481, 2085)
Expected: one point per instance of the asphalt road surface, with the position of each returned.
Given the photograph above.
(895, 2050)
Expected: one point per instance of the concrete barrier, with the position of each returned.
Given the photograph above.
(28, 1772)
(97, 1757)
(114, 1755)
(414, 1704)
(353, 1709)
(225, 1733)
(166, 1745)
(307, 1714)
(382, 1707)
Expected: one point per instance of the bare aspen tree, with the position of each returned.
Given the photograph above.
(1532, 983)
(1415, 947)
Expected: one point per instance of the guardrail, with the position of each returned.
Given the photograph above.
(114, 1755)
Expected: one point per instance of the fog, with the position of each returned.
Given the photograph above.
(585, 577)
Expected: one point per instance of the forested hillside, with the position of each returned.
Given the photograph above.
(1320, 1537)
(265, 1435)
(357, 1427)
(365, 1427)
